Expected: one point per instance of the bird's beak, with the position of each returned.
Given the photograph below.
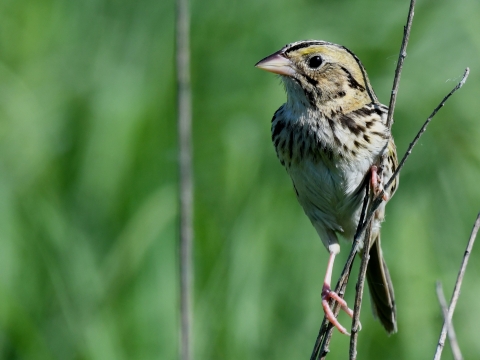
(276, 63)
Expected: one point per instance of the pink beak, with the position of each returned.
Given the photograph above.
(277, 64)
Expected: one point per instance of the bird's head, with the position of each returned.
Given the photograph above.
(321, 74)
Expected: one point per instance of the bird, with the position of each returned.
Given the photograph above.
(331, 135)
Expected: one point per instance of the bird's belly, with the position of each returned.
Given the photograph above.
(330, 194)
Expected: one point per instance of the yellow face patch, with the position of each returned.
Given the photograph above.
(331, 54)
(337, 61)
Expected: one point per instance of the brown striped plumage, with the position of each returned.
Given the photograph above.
(331, 136)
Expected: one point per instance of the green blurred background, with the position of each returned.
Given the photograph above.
(88, 180)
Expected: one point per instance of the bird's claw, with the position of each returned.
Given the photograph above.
(377, 182)
(327, 294)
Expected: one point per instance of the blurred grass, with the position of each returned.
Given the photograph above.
(88, 265)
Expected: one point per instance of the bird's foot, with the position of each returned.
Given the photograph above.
(376, 181)
(327, 294)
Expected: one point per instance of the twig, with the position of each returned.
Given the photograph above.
(401, 58)
(325, 332)
(456, 290)
(184, 114)
(379, 198)
(424, 127)
(452, 337)
(359, 292)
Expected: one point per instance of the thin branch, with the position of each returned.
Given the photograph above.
(184, 114)
(452, 337)
(401, 58)
(359, 292)
(379, 198)
(456, 290)
(424, 127)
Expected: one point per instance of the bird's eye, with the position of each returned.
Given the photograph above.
(315, 61)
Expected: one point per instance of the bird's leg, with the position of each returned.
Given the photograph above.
(377, 181)
(327, 294)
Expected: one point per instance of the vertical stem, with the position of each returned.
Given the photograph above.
(452, 337)
(359, 291)
(184, 113)
(401, 58)
(456, 290)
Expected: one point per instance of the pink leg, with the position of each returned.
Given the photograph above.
(327, 294)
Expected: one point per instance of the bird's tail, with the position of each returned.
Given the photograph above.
(381, 288)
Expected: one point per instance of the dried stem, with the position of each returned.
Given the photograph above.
(184, 114)
(359, 293)
(401, 58)
(424, 127)
(456, 290)
(452, 337)
(379, 198)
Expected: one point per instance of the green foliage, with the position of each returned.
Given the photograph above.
(88, 216)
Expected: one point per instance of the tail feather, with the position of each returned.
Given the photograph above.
(381, 289)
